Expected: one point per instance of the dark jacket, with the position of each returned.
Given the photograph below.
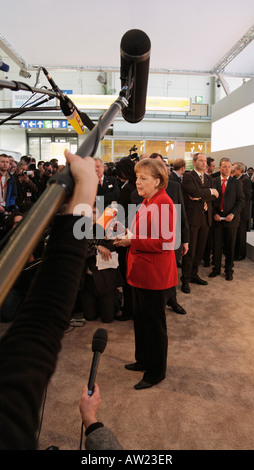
(174, 191)
(105, 280)
(124, 200)
(233, 199)
(11, 195)
(247, 189)
(29, 350)
(174, 177)
(110, 190)
(193, 188)
(26, 193)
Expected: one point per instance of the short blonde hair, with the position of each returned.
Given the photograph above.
(157, 168)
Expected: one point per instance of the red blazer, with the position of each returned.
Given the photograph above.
(151, 262)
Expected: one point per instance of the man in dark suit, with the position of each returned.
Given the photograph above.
(174, 191)
(198, 194)
(239, 171)
(210, 166)
(226, 217)
(209, 242)
(179, 166)
(107, 186)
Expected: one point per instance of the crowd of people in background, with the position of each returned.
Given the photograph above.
(208, 230)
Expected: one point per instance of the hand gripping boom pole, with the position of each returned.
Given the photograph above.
(23, 241)
(135, 54)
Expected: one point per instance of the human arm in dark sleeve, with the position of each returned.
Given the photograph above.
(196, 191)
(29, 350)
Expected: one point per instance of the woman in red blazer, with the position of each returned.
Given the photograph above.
(151, 270)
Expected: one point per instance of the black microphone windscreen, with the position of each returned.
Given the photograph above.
(135, 43)
(135, 53)
(99, 340)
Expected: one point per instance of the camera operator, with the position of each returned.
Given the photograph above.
(40, 168)
(54, 164)
(47, 173)
(27, 189)
(35, 176)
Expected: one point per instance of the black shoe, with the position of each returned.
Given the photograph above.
(229, 277)
(239, 258)
(142, 385)
(123, 317)
(214, 274)
(136, 367)
(178, 309)
(185, 288)
(199, 281)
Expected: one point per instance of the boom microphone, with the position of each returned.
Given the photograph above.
(135, 57)
(98, 345)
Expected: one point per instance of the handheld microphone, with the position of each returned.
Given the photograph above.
(51, 81)
(71, 113)
(135, 57)
(98, 345)
(67, 106)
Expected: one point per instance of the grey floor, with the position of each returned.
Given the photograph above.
(207, 399)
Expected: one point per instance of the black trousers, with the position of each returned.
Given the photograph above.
(151, 340)
(241, 238)
(127, 294)
(95, 305)
(209, 247)
(224, 241)
(193, 258)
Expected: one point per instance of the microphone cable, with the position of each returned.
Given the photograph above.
(81, 435)
(24, 108)
(41, 419)
(98, 137)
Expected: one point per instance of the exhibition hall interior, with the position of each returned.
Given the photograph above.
(124, 84)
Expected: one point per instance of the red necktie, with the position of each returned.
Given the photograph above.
(101, 182)
(223, 187)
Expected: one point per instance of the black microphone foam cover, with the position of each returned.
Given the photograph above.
(99, 340)
(135, 52)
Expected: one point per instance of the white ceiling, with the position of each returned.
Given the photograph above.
(185, 35)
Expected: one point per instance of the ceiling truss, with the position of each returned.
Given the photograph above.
(218, 70)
